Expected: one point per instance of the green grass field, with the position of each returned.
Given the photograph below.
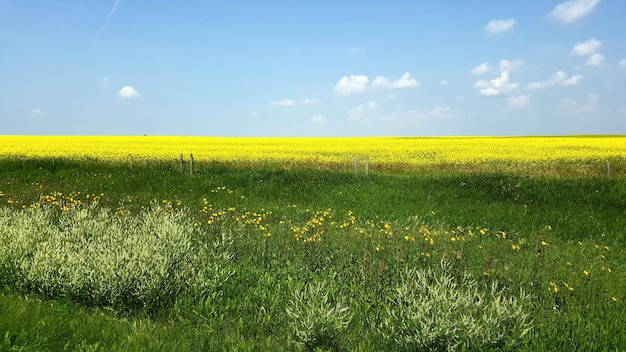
(100, 256)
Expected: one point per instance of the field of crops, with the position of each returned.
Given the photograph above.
(585, 153)
(275, 244)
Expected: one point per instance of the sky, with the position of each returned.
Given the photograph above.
(312, 68)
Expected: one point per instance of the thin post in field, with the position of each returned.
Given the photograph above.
(367, 164)
(608, 169)
(356, 165)
(180, 160)
(190, 164)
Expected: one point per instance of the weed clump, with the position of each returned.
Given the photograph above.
(436, 309)
(98, 257)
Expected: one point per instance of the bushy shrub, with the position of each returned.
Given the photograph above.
(435, 309)
(316, 319)
(95, 256)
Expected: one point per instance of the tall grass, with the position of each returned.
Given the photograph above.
(312, 259)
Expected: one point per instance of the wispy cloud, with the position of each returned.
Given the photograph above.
(572, 106)
(406, 81)
(622, 63)
(283, 102)
(481, 69)
(357, 84)
(505, 65)
(362, 111)
(518, 102)
(317, 119)
(559, 78)
(589, 48)
(128, 92)
(586, 48)
(497, 86)
(439, 112)
(311, 101)
(499, 26)
(595, 60)
(573, 10)
(508, 65)
(354, 84)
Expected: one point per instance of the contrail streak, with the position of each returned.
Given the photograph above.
(107, 20)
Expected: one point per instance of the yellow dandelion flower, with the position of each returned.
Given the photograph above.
(586, 273)
(614, 299)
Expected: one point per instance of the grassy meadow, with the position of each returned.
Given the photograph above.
(275, 244)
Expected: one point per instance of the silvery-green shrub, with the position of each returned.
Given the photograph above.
(435, 309)
(316, 319)
(98, 257)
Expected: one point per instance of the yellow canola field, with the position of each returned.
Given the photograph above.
(386, 152)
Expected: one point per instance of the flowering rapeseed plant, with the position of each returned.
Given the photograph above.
(384, 152)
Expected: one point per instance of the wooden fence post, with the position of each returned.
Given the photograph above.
(190, 164)
(356, 165)
(367, 164)
(608, 169)
(180, 159)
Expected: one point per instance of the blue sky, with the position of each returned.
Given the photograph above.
(312, 68)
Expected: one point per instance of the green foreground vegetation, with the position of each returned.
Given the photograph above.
(101, 257)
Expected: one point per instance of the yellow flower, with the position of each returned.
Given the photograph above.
(515, 247)
(553, 287)
(586, 273)
(614, 299)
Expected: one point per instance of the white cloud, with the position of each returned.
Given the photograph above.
(444, 83)
(507, 65)
(499, 26)
(36, 112)
(381, 82)
(362, 110)
(317, 119)
(587, 47)
(357, 51)
(355, 84)
(572, 81)
(559, 77)
(311, 101)
(573, 10)
(284, 102)
(105, 81)
(406, 81)
(571, 106)
(518, 102)
(595, 60)
(439, 112)
(128, 92)
(481, 69)
(498, 86)
(622, 63)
